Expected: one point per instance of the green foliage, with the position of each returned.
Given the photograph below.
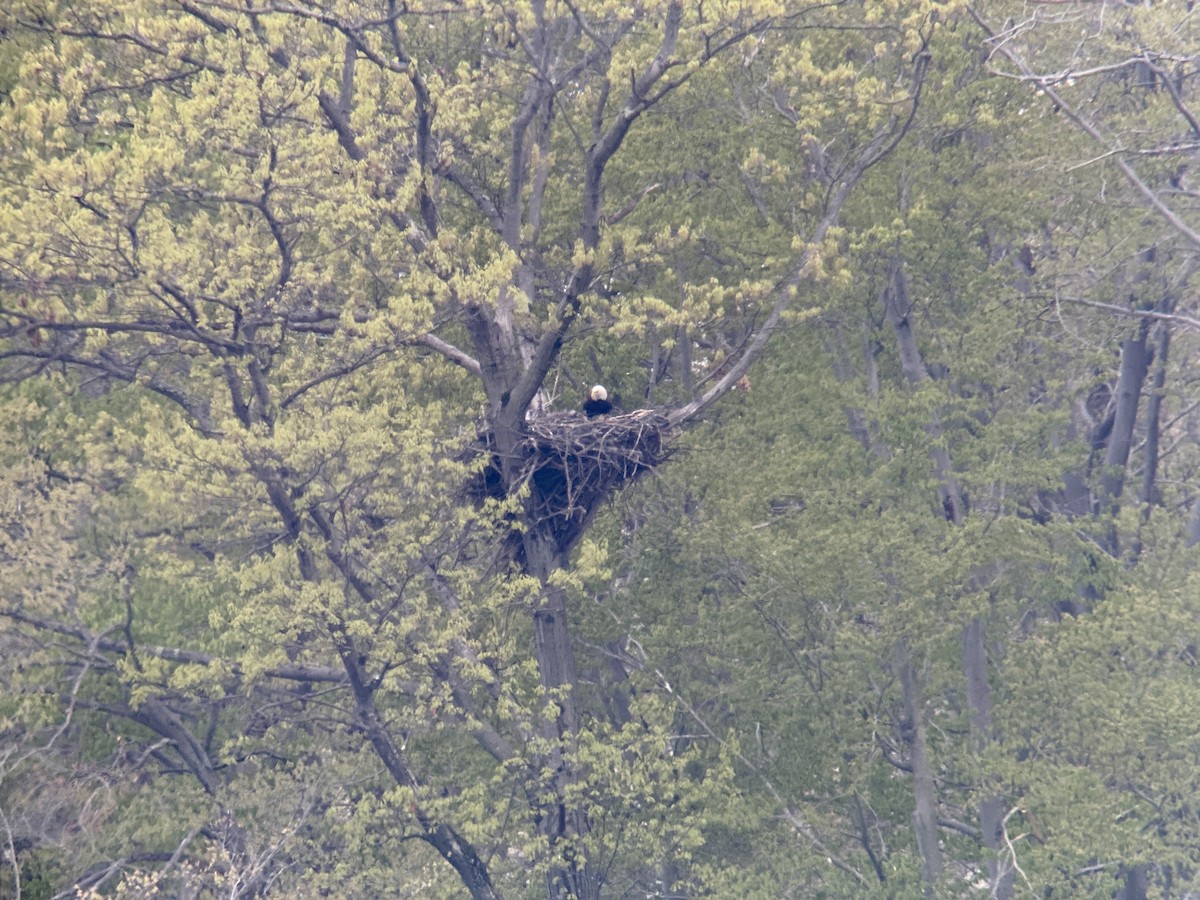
(280, 289)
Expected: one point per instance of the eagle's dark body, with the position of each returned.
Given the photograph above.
(597, 403)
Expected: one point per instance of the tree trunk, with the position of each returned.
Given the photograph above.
(896, 308)
(560, 820)
(1135, 360)
(991, 808)
(1135, 886)
(450, 845)
(1148, 495)
(1153, 415)
(1193, 525)
(924, 817)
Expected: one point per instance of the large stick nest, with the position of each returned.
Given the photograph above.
(572, 464)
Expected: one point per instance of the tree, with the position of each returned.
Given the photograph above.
(1133, 68)
(280, 257)
(832, 542)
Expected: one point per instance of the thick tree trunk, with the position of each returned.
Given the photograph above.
(991, 808)
(924, 818)
(505, 368)
(1193, 525)
(896, 308)
(1148, 496)
(1135, 361)
(560, 820)
(1135, 885)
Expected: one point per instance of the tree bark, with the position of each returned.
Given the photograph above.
(896, 308)
(559, 820)
(155, 715)
(1153, 416)
(979, 698)
(1135, 361)
(924, 817)
(1135, 885)
(450, 845)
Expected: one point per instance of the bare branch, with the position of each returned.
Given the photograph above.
(1173, 318)
(290, 672)
(451, 352)
(883, 143)
(642, 96)
(314, 13)
(1173, 90)
(1092, 130)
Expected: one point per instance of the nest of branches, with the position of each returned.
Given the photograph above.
(572, 464)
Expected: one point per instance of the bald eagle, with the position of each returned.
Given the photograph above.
(597, 403)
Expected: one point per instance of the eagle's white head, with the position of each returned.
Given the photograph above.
(598, 393)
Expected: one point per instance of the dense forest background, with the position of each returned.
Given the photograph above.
(881, 580)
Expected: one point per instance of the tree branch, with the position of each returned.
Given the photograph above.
(1158, 315)
(1088, 127)
(290, 672)
(452, 353)
(875, 151)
